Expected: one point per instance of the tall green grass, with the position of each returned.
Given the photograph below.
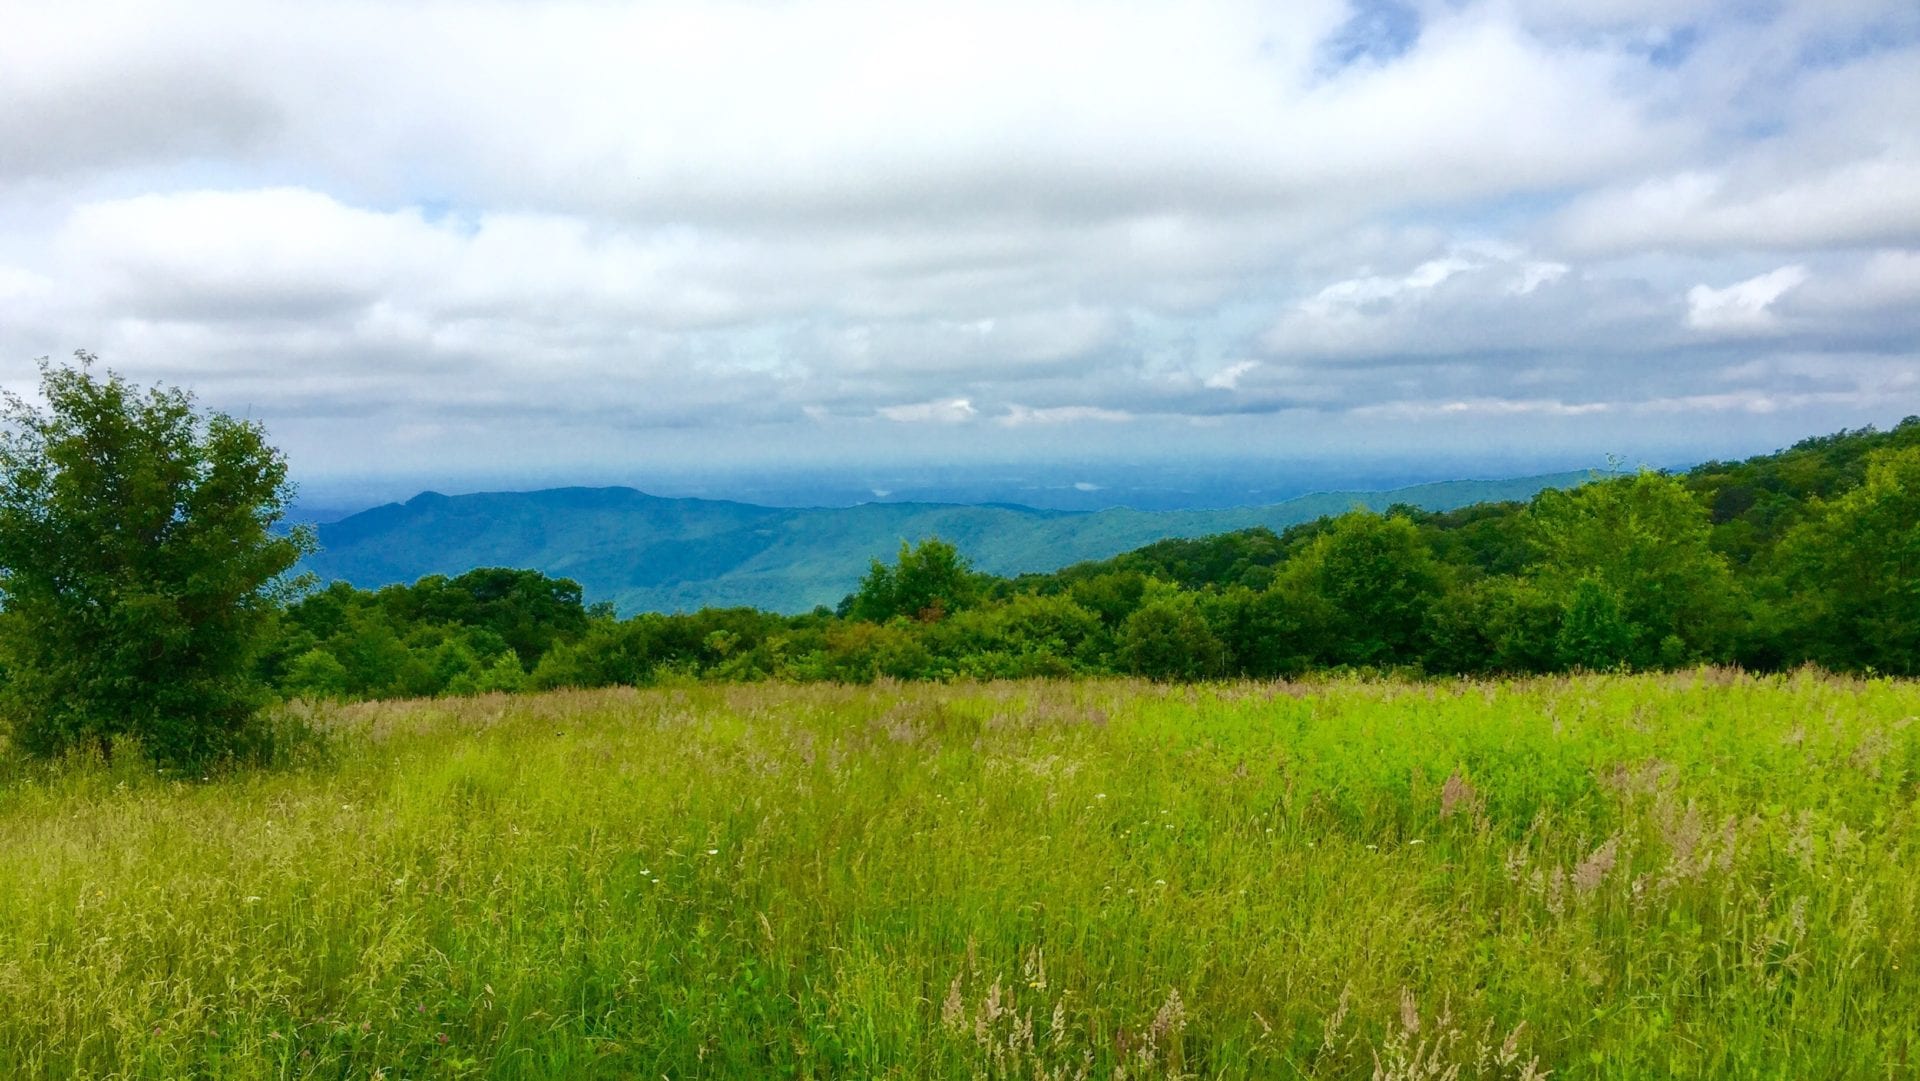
(1703, 875)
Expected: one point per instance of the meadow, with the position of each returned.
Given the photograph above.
(1703, 874)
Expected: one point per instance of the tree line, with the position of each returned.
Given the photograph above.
(147, 593)
(1807, 556)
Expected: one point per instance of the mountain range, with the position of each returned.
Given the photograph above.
(648, 553)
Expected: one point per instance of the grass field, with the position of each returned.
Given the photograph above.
(1701, 875)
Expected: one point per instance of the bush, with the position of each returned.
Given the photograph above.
(1167, 639)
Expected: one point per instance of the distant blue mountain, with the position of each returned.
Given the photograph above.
(647, 553)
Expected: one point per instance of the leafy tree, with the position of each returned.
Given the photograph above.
(1112, 596)
(1594, 634)
(611, 653)
(140, 567)
(453, 668)
(1497, 624)
(526, 609)
(1167, 638)
(927, 581)
(1025, 635)
(1856, 563)
(317, 674)
(1642, 541)
(861, 652)
(1263, 633)
(1364, 586)
(503, 675)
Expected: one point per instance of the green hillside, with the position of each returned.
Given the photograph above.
(646, 553)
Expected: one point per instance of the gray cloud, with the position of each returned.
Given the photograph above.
(435, 235)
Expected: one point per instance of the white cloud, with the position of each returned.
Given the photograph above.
(1744, 307)
(1228, 378)
(1018, 416)
(948, 411)
(1483, 407)
(1866, 201)
(237, 254)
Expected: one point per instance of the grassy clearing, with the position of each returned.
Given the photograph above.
(1697, 876)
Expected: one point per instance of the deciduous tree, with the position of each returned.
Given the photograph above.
(139, 566)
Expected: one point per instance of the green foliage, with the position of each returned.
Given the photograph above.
(1857, 560)
(1263, 632)
(1635, 553)
(1494, 625)
(1244, 558)
(317, 674)
(526, 610)
(863, 652)
(1167, 638)
(441, 635)
(141, 567)
(1594, 633)
(1026, 635)
(1364, 587)
(1112, 595)
(926, 582)
(1756, 502)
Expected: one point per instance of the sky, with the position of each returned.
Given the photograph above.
(504, 242)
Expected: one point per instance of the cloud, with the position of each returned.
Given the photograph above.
(1483, 407)
(1228, 378)
(1474, 299)
(1884, 282)
(1018, 416)
(1744, 307)
(949, 411)
(1868, 201)
(282, 252)
(419, 233)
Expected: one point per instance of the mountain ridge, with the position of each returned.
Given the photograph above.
(645, 552)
